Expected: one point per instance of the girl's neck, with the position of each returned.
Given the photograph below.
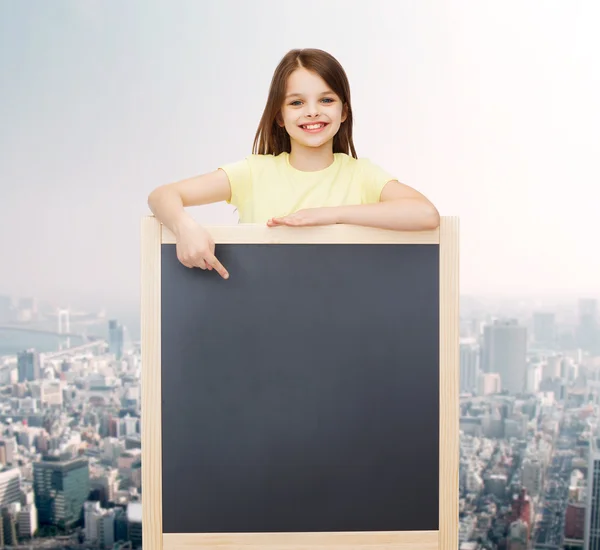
(311, 159)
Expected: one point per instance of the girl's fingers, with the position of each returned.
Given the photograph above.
(185, 262)
(212, 262)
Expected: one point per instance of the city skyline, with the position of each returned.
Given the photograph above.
(497, 305)
(529, 391)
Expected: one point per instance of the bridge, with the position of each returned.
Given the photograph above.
(70, 351)
(29, 329)
(9, 361)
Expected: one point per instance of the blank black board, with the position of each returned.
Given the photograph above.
(302, 394)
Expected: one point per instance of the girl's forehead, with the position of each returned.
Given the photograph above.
(304, 81)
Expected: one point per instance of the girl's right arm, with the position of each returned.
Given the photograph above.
(195, 246)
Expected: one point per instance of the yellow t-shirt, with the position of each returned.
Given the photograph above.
(266, 186)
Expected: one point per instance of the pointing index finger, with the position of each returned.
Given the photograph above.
(218, 266)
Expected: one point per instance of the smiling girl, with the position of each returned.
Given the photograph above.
(303, 169)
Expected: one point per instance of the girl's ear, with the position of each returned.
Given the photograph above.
(279, 120)
(345, 112)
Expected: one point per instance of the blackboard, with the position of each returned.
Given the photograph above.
(310, 400)
(302, 393)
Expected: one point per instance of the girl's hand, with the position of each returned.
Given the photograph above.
(196, 248)
(308, 216)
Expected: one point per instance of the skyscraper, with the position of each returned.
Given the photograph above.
(28, 365)
(10, 486)
(61, 485)
(469, 365)
(115, 338)
(588, 333)
(505, 352)
(592, 512)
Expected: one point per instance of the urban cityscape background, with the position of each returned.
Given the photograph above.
(70, 453)
(489, 109)
(70, 449)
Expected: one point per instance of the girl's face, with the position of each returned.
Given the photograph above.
(311, 112)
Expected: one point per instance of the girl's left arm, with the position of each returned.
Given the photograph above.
(400, 207)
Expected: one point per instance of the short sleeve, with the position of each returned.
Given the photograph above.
(240, 181)
(374, 180)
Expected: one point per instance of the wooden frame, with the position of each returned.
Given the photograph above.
(446, 538)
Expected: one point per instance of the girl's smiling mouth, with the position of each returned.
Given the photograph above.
(313, 127)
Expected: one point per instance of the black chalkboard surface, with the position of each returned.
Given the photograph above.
(301, 394)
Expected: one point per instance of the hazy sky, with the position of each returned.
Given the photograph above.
(489, 108)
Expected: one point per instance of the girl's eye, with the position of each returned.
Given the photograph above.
(297, 101)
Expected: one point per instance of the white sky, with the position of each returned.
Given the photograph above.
(490, 109)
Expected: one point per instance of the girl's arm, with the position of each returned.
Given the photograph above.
(168, 201)
(195, 246)
(400, 207)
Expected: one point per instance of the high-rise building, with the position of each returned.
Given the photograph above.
(27, 518)
(28, 365)
(592, 512)
(8, 526)
(533, 475)
(469, 365)
(28, 521)
(522, 510)
(61, 484)
(8, 450)
(588, 333)
(505, 352)
(134, 523)
(10, 486)
(574, 523)
(517, 538)
(534, 377)
(115, 338)
(91, 513)
(488, 383)
(49, 392)
(99, 524)
(121, 525)
(552, 368)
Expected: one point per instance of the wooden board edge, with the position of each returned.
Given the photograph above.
(378, 540)
(151, 384)
(331, 234)
(449, 383)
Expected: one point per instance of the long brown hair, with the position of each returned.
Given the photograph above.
(273, 139)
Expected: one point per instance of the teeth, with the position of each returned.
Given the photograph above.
(313, 126)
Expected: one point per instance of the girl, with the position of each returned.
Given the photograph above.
(303, 169)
